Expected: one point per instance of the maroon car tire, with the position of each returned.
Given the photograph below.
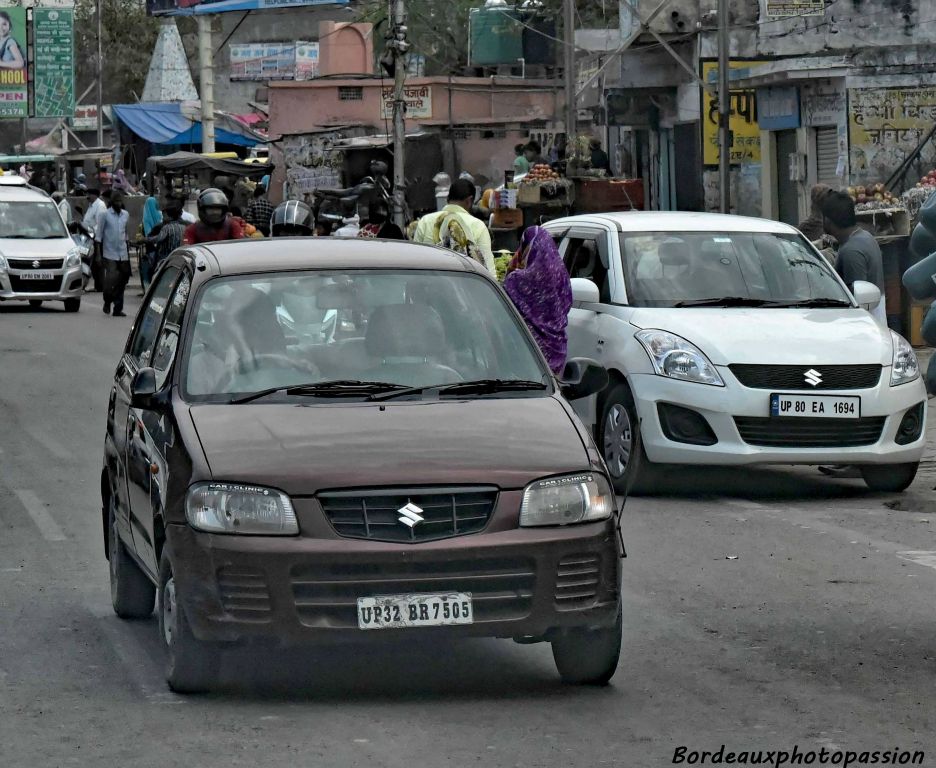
(191, 665)
(132, 593)
(589, 656)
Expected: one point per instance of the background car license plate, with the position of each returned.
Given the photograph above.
(37, 276)
(399, 611)
(815, 406)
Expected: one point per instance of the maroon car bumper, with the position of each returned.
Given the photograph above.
(528, 582)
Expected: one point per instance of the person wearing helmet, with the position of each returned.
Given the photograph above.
(292, 219)
(214, 220)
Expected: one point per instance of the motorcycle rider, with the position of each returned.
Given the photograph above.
(214, 220)
(292, 219)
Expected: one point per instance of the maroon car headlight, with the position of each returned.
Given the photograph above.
(245, 509)
(566, 500)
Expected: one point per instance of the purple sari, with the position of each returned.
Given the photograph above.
(540, 288)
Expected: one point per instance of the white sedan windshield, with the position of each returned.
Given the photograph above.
(412, 329)
(666, 269)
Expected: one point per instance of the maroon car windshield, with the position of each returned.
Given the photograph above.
(403, 328)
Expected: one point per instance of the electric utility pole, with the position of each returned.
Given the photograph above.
(568, 22)
(724, 111)
(100, 78)
(398, 46)
(206, 82)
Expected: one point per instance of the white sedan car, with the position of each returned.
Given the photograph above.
(731, 341)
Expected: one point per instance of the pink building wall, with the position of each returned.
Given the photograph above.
(346, 49)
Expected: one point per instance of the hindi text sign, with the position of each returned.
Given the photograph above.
(418, 102)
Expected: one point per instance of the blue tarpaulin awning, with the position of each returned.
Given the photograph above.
(166, 124)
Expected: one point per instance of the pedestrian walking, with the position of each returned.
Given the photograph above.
(539, 286)
(167, 236)
(113, 236)
(215, 222)
(454, 227)
(152, 218)
(812, 225)
(260, 211)
(92, 223)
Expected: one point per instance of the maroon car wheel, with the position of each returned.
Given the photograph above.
(132, 593)
(589, 656)
(191, 665)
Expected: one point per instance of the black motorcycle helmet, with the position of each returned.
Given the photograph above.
(292, 218)
(213, 206)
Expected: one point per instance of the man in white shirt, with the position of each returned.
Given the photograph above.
(64, 207)
(91, 222)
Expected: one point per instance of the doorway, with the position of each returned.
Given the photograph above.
(787, 197)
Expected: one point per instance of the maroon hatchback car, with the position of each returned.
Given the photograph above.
(313, 440)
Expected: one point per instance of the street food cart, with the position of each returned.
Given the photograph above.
(183, 174)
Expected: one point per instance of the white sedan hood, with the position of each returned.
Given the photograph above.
(775, 336)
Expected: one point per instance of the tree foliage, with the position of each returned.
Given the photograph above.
(438, 29)
(129, 36)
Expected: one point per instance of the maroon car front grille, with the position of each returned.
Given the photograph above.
(436, 513)
(244, 594)
(577, 579)
(326, 595)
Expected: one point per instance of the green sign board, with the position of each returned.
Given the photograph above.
(14, 86)
(53, 62)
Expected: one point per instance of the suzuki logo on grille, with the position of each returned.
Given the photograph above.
(35, 264)
(410, 515)
(813, 377)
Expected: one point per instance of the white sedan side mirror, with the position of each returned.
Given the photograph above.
(868, 295)
(584, 291)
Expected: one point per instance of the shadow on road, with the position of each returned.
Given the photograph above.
(757, 484)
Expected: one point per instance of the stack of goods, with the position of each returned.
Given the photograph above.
(540, 173)
(872, 197)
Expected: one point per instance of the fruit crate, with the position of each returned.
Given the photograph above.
(885, 222)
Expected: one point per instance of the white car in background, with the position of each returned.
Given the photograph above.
(731, 341)
(39, 261)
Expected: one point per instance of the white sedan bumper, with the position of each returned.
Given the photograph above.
(720, 406)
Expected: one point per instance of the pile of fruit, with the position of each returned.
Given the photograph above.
(872, 196)
(540, 173)
(929, 180)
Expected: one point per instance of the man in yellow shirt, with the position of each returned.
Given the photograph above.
(455, 227)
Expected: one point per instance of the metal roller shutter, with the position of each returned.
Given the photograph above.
(827, 156)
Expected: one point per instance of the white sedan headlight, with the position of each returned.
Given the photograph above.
(248, 509)
(73, 259)
(677, 358)
(904, 367)
(582, 498)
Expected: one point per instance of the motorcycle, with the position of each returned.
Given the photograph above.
(84, 244)
(334, 205)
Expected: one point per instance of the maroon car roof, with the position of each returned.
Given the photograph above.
(287, 253)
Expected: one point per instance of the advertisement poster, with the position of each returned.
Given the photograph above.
(745, 147)
(193, 7)
(885, 125)
(53, 63)
(14, 88)
(263, 61)
(795, 8)
(418, 102)
(307, 60)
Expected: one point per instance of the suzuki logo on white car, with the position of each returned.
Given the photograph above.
(410, 515)
(813, 377)
(35, 264)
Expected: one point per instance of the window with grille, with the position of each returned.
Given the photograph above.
(350, 93)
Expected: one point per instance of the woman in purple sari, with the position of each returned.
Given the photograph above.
(539, 286)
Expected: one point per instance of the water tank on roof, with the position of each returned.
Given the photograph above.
(496, 36)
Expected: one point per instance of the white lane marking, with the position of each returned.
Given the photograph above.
(919, 557)
(52, 446)
(40, 516)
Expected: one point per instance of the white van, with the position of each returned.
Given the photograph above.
(38, 259)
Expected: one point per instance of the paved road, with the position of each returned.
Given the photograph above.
(764, 609)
